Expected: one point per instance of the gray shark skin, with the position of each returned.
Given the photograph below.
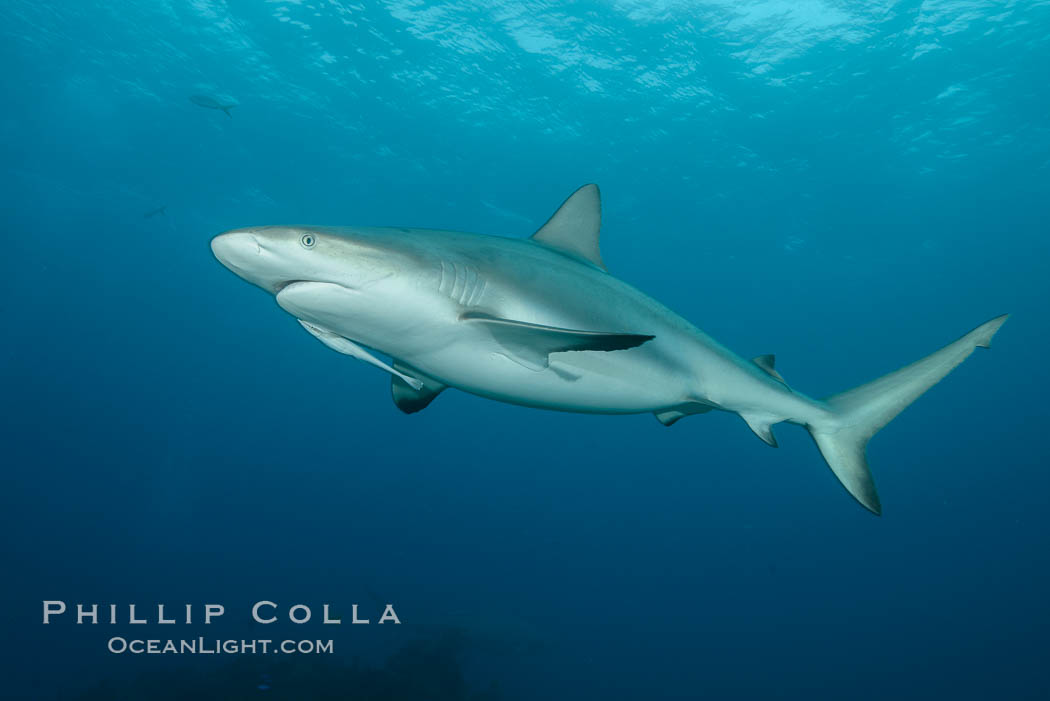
(539, 322)
(211, 103)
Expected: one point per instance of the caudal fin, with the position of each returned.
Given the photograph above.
(858, 414)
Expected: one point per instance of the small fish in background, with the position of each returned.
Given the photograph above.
(211, 103)
(154, 212)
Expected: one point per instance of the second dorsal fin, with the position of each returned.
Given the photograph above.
(574, 228)
(765, 362)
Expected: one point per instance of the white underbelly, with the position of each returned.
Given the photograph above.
(468, 358)
(616, 382)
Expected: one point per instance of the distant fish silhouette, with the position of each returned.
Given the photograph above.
(211, 103)
(154, 212)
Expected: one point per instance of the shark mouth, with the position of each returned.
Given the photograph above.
(279, 287)
(313, 299)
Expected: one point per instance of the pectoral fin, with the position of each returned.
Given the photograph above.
(410, 399)
(531, 344)
(348, 347)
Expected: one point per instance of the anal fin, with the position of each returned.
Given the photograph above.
(762, 425)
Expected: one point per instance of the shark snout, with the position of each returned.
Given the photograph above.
(236, 249)
(250, 256)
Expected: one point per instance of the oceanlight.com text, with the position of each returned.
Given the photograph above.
(213, 646)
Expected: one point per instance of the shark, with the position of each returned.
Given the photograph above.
(209, 102)
(540, 322)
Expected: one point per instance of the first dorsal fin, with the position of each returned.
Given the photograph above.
(766, 362)
(574, 228)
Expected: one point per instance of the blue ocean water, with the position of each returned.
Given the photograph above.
(849, 185)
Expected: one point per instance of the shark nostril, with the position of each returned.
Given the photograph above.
(241, 252)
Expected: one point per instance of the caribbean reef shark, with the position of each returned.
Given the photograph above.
(212, 104)
(540, 322)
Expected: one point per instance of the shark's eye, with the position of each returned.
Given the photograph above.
(308, 241)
